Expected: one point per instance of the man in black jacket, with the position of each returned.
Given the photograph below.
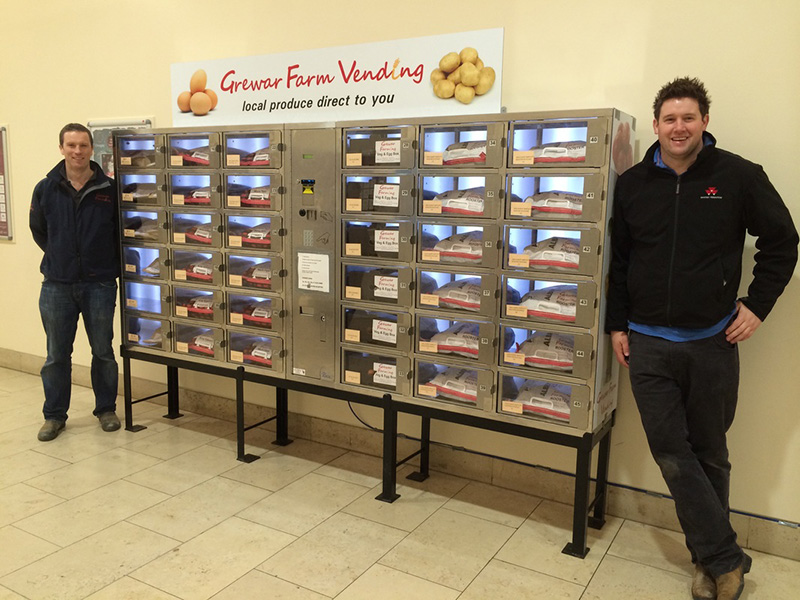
(678, 231)
(74, 221)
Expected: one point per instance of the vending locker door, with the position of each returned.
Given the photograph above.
(311, 219)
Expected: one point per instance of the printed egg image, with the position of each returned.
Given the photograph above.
(183, 101)
(199, 100)
(200, 103)
(213, 95)
(198, 81)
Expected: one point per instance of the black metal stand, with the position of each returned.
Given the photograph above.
(588, 511)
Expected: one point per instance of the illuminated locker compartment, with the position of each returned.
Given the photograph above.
(458, 338)
(140, 151)
(450, 244)
(150, 298)
(461, 292)
(376, 371)
(248, 190)
(257, 149)
(200, 341)
(253, 232)
(378, 239)
(558, 197)
(198, 304)
(260, 351)
(194, 190)
(556, 250)
(258, 312)
(146, 189)
(255, 272)
(558, 142)
(196, 229)
(549, 350)
(145, 226)
(466, 145)
(195, 150)
(453, 384)
(377, 328)
(550, 301)
(387, 285)
(460, 196)
(142, 262)
(151, 334)
(393, 194)
(544, 400)
(197, 267)
(381, 147)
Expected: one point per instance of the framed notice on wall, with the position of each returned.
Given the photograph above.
(103, 140)
(5, 188)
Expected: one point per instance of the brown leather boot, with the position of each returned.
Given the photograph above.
(703, 584)
(731, 584)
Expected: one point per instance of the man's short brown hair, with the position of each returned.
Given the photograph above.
(683, 87)
(74, 127)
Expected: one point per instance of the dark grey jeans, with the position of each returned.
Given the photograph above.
(687, 393)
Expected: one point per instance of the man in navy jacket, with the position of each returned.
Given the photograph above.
(678, 231)
(74, 220)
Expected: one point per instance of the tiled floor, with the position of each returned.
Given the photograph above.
(169, 513)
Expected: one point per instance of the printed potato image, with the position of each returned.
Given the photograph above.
(469, 74)
(437, 75)
(462, 75)
(199, 99)
(468, 55)
(464, 93)
(444, 89)
(449, 62)
(485, 81)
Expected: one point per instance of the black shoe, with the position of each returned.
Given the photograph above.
(50, 430)
(109, 421)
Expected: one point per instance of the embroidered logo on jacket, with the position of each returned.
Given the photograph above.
(102, 198)
(712, 193)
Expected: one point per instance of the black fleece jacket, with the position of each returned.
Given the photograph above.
(677, 242)
(80, 237)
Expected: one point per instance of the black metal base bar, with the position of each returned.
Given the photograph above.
(389, 491)
(424, 451)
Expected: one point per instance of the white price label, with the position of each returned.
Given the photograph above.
(386, 194)
(387, 152)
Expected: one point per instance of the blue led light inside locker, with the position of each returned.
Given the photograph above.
(147, 297)
(248, 222)
(189, 143)
(136, 144)
(190, 181)
(247, 143)
(438, 141)
(250, 181)
(440, 185)
(128, 179)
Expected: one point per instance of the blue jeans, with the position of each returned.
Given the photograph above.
(687, 394)
(59, 305)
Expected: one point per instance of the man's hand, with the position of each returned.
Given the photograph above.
(619, 342)
(743, 326)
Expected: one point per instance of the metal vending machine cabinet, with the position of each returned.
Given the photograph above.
(454, 268)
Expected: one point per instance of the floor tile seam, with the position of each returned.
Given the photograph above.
(468, 514)
(271, 491)
(251, 521)
(415, 576)
(543, 573)
(58, 549)
(652, 566)
(603, 558)
(314, 472)
(29, 484)
(4, 587)
(260, 570)
(147, 583)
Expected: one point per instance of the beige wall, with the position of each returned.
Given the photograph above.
(93, 59)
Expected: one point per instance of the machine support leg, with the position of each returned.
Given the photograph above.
(425, 451)
(577, 547)
(389, 493)
(128, 395)
(598, 517)
(173, 406)
(240, 453)
(282, 417)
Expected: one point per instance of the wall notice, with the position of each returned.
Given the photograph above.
(313, 272)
